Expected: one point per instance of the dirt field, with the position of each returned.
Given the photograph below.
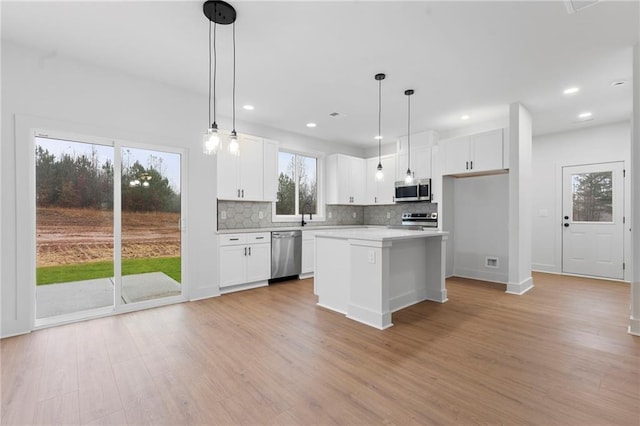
(67, 236)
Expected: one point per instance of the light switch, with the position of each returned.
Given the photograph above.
(223, 214)
(354, 215)
(388, 215)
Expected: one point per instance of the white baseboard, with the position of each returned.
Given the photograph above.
(305, 275)
(520, 288)
(240, 287)
(544, 267)
(494, 277)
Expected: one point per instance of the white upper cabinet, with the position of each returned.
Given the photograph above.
(252, 175)
(420, 157)
(475, 154)
(270, 170)
(380, 192)
(345, 179)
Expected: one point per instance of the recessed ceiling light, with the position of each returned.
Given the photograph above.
(464, 117)
(311, 124)
(378, 137)
(249, 107)
(618, 83)
(585, 115)
(571, 90)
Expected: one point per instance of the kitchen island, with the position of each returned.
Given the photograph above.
(368, 274)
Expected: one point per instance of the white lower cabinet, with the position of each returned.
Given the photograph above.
(308, 252)
(244, 258)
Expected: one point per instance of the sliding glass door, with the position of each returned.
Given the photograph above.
(74, 227)
(151, 230)
(108, 228)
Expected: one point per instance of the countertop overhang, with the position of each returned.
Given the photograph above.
(379, 234)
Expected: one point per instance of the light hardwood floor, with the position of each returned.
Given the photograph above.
(558, 355)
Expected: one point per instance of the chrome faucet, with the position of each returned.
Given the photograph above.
(302, 222)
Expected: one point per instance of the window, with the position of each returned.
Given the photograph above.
(592, 197)
(297, 184)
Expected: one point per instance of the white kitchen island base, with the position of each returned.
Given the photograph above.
(369, 274)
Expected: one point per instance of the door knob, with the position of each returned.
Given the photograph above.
(566, 218)
(566, 225)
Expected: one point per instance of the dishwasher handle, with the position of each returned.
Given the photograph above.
(286, 234)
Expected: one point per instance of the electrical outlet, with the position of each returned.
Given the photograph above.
(260, 214)
(354, 215)
(371, 256)
(388, 215)
(223, 214)
(330, 215)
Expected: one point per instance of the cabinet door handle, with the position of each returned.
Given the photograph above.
(245, 251)
(259, 238)
(234, 239)
(375, 199)
(249, 251)
(471, 162)
(238, 193)
(243, 193)
(467, 166)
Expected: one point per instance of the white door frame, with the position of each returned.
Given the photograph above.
(26, 250)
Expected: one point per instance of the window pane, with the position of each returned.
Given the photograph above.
(285, 203)
(308, 188)
(592, 197)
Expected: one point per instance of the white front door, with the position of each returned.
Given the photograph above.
(592, 213)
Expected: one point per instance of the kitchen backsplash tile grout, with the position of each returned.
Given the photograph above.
(246, 214)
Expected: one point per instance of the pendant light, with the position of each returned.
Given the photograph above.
(409, 178)
(234, 146)
(218, 12)
(379, 171)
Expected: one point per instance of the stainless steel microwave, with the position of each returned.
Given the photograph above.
(420, 190)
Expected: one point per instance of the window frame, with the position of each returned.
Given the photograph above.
(319, 216)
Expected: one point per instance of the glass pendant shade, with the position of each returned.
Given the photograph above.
(409, 178)
(211, 141)
(379, 173)
(234, 146)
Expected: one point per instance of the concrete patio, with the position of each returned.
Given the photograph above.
(65, 298)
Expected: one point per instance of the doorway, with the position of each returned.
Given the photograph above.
(108, 227)
(593, 220)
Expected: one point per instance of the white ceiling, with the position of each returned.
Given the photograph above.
(299, 61)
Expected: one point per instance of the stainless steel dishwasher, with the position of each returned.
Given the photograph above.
(286, 253)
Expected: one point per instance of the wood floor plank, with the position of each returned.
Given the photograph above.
(558, 355)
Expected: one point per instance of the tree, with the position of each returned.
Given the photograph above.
(592, 197)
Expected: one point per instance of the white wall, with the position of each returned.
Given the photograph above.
(550, 153)
(480, 218)
(60, 94)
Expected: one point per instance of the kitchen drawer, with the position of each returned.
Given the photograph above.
(233, 239)
(259, 237)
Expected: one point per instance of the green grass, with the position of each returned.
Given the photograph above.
(93, 270)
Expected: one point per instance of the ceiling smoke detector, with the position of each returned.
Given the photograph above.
(574, 6)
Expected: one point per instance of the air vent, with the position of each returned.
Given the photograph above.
(574, 6)
(492, 262)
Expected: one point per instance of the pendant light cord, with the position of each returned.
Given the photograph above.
(409, 134)
(215, 66)
(209, 122)
(234, 76)
(215, 69)
(379, 119)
